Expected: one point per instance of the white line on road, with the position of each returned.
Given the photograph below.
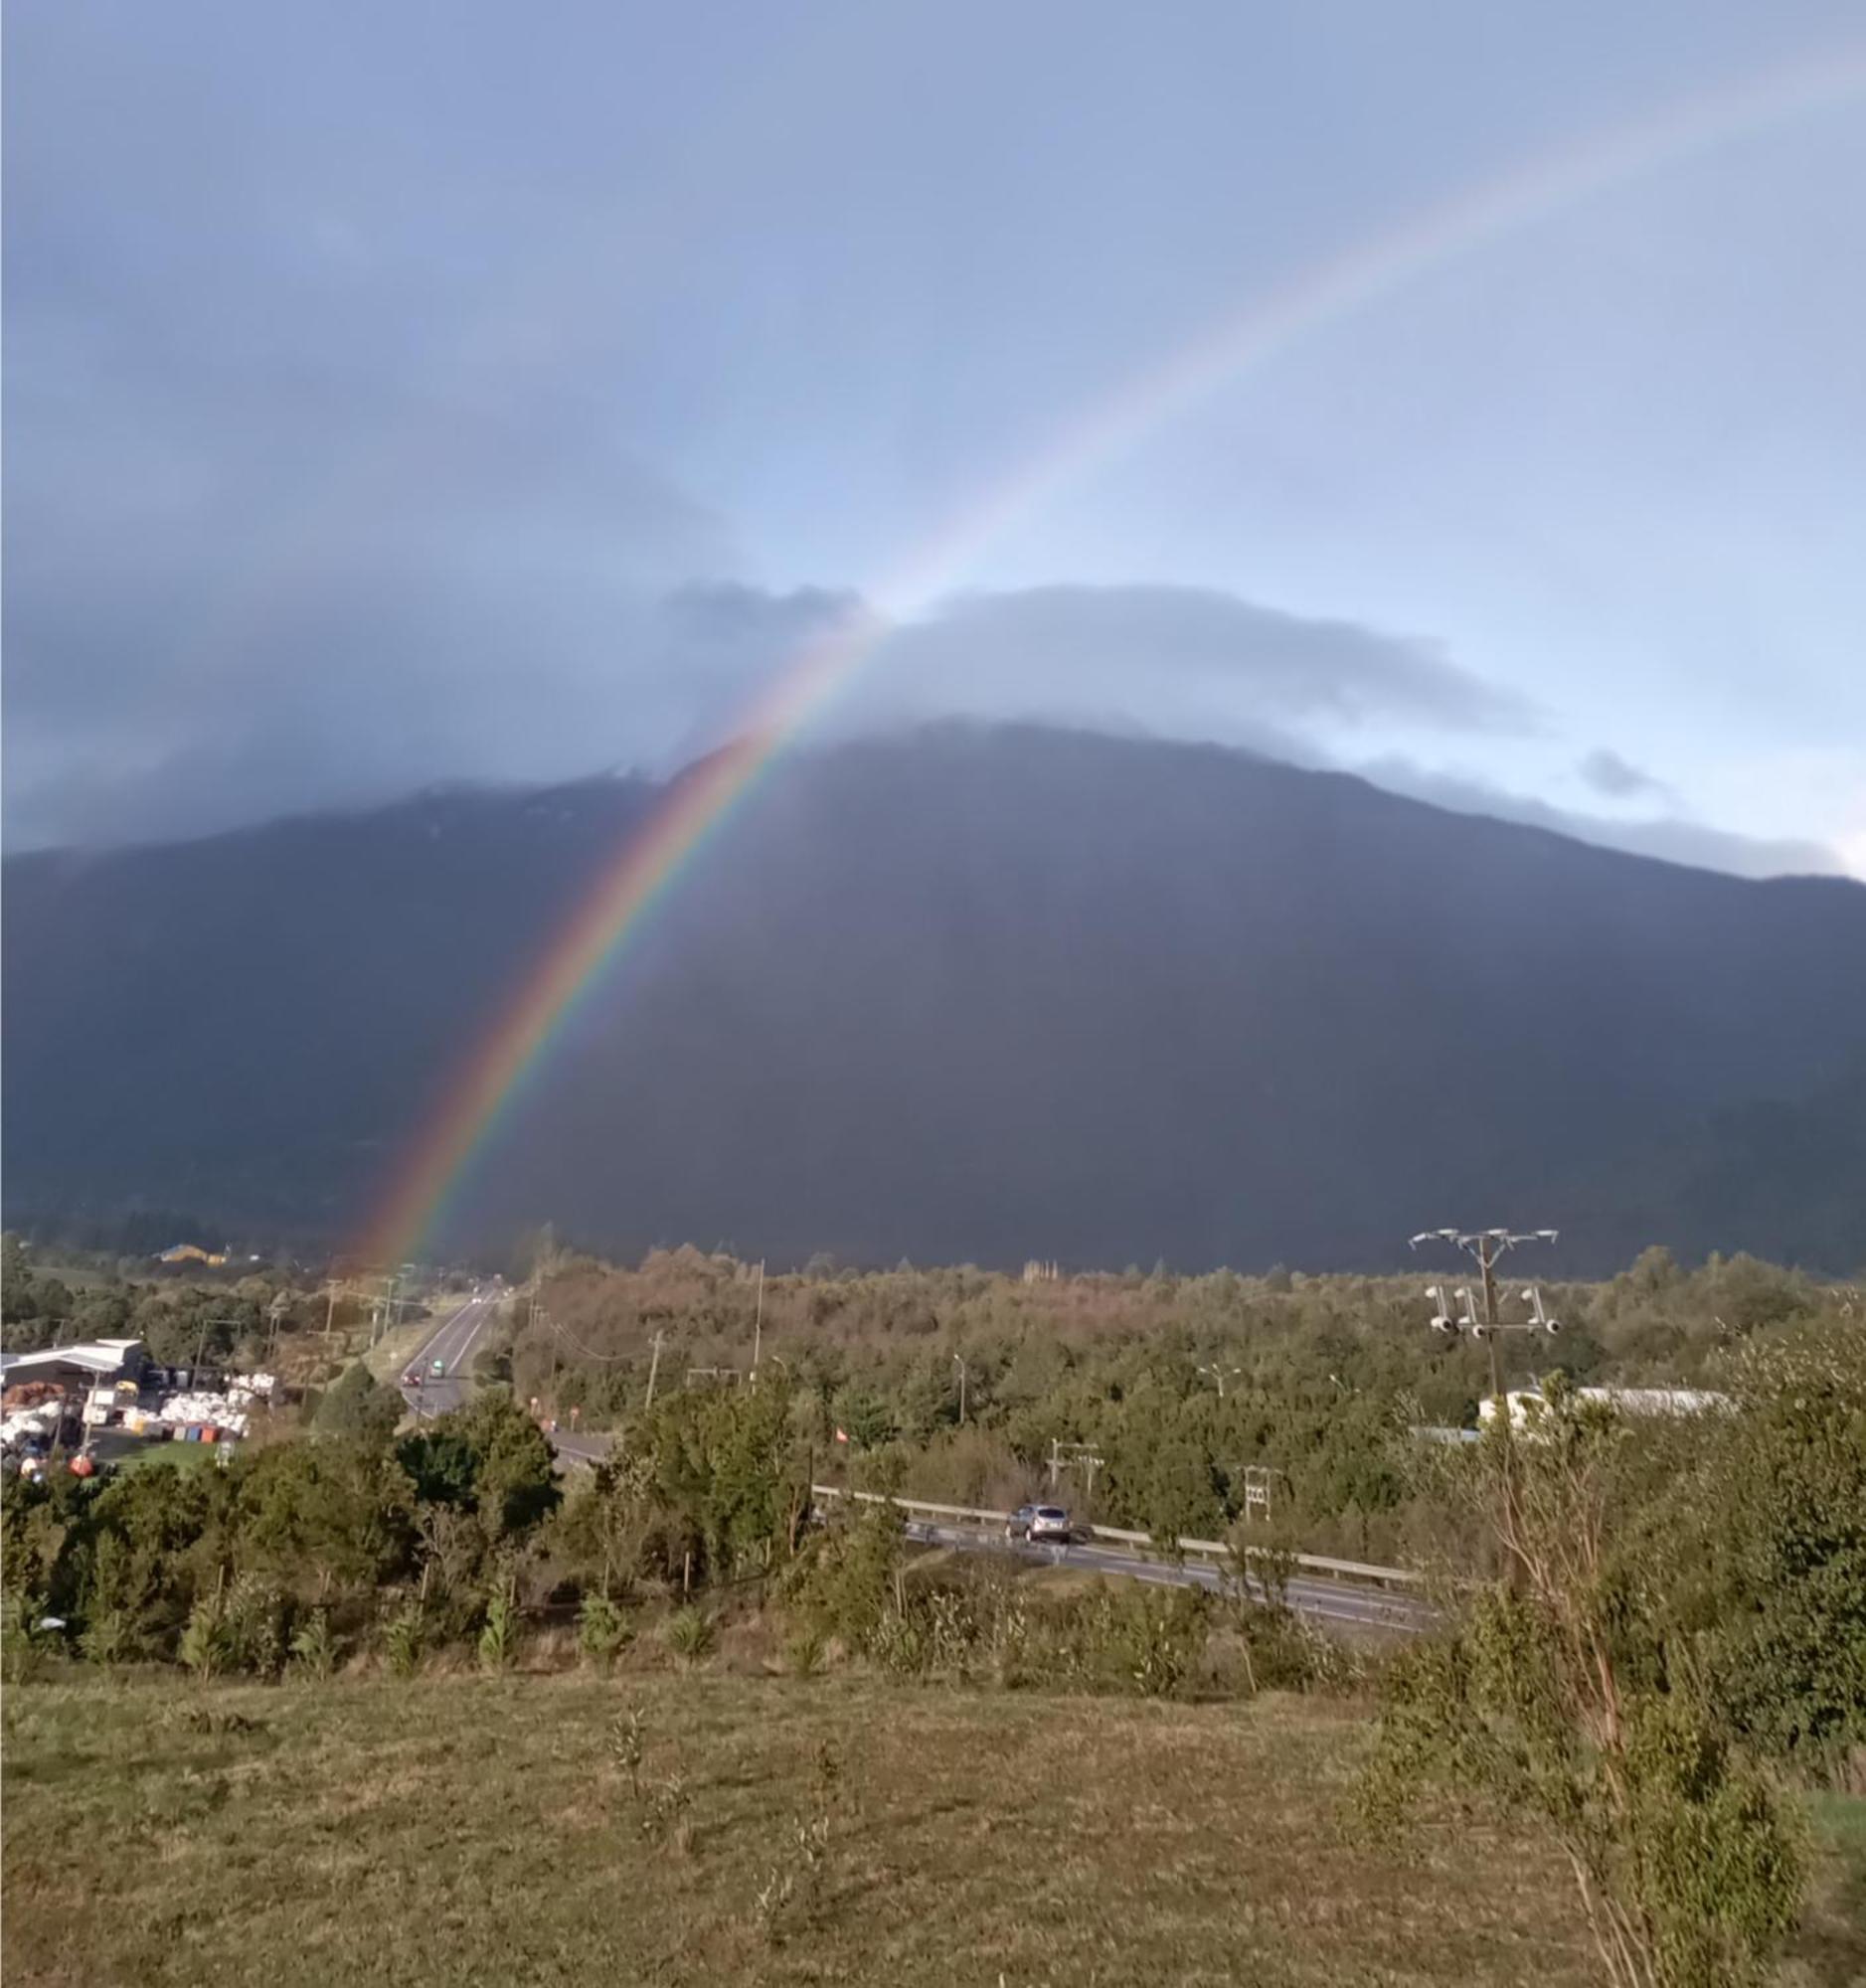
(485, 1312)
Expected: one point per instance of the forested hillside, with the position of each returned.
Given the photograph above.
(963, 994)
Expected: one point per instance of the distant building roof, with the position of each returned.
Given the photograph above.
(1657, 1401)
(91, 1356)
(1527, 1402)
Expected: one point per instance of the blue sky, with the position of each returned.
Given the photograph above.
(398, 394)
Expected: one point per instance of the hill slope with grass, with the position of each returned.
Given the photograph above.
(474, 1831)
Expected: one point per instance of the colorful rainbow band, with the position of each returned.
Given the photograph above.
(701, 803)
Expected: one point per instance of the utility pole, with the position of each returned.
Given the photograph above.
(201, 1345)
(1485, 1247)
(1072, 1456)
(961, 1365)
(758, 1323)
(385, 1314)
(654, 1366)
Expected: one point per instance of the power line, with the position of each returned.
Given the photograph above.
(576, 1344)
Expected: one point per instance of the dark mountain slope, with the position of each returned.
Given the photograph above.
(968, 994)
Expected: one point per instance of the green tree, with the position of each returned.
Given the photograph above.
(1559, 1699)
(1767, 1526)
(490, 1457)
(358, 1406)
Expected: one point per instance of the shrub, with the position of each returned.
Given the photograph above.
(204, 1647)
(690, 1635)
(313, 1648)
(602, 1632)
(628, 1740)
(255, 1626)
(803, 1650)
(498, 1637)
(109, 1637)
(845, 1582)
(1133, 1638)
(1558, 1699)
(23, 1645)
(405, 1639)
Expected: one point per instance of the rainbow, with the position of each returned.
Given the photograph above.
(700, 803)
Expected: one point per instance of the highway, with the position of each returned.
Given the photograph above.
(452, 1342)
(1337, 1601)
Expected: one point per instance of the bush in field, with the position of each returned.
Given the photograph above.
(845, 1584)
(1766, 1528)
(498, 1637)
(204, 1646)
(1560, 1700)
(1136, 1637)
(253, 1626)
(803, 1650)
(23, 1648)
(405, 1640)
(603, 1631)
(313, 1648)
(690, 1635)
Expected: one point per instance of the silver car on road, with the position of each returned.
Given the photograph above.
(1039, 1522)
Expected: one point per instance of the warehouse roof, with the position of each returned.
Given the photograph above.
(91, 1356)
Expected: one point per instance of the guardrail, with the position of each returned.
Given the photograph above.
(1316, 1562)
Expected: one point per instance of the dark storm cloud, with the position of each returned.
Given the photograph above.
(393, 398)
(300, 599)
(1620, 779)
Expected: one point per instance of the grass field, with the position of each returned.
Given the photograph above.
(460, 1830)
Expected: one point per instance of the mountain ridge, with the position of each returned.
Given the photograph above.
(965, 991)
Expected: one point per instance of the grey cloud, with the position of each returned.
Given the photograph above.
(297, 599)
(1620, 779)
(364, 665)
(1670, 840)
(1197, 662)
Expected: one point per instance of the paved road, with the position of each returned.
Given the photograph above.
(1327, 1600)
(451, 1342)
(1336, 1601)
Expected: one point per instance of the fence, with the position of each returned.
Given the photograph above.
(1339, 1569)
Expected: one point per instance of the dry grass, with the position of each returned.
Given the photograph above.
(481, 1831)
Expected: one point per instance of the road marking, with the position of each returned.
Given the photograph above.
(485, 1312)
(428, 1344)
(1306, 1597)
